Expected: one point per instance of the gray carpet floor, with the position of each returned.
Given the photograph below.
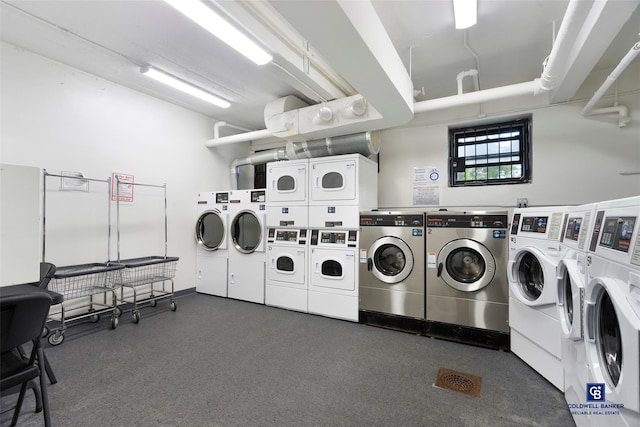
(221, 362)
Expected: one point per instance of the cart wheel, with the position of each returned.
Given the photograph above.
(45, 331)
(153, 303)
(94, 318)
(173, 305)
(56, 338)
(114, 322)
(136, 316)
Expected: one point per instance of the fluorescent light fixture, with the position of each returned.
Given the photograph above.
(466, 13)
(183, 86)
(216, 25)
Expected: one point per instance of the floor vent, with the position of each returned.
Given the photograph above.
(458, 381)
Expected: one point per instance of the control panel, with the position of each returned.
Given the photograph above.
(386, 220)
(466, 221)
(333, 238)
(292, 236)
(534, 224)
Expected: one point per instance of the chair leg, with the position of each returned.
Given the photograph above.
(36, 393)
(16, 411)
(47, 368)
(43, 392)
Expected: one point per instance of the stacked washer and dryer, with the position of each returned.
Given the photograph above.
(534, 256)
(211, 233)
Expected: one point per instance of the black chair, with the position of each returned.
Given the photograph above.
(22, 318)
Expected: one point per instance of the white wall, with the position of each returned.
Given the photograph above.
(57, 118)
(576, 159)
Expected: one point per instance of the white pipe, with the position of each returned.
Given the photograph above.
(241, 137)
(633, 52)
(218, 125)
(621, 110)
(255, 159)
(469, 73)
(527, 88)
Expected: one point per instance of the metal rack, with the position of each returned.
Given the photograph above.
(83, 280)
(145, 271)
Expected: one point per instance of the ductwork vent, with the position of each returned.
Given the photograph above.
(365, 143)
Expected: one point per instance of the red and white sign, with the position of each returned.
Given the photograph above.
(125, 190)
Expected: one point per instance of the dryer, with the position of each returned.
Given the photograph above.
(339, 188)
(612, 315)
(287, 193)
(534, 254)
(287, 265)
(211, 233)
(333, 273)
(571, 287)
(467, 291)
(391, 276)
(246, 274)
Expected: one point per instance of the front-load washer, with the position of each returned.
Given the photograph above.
(247, 226)
(333, 273)
(288, 193)
(534, 254)
(339, 188)
(612, 316)
(391, 277)
(211, 233)
(571, 286)
(287, 265)
(467, 292)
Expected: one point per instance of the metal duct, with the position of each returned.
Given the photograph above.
(365, 143)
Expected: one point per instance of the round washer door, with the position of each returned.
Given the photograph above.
(210, 230)
(390, 259)
(466, 265)
(246, 231)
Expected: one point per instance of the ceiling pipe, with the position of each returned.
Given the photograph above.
(621, 110)
(633, 52)
(469, 73)
(220, 124)
(240, 137)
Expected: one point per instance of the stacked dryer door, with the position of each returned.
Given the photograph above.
(571, 287)
(287, 264)
(211, 234)
(466, 276)
(391, 273)
(287, 194)
(246, 277)
(533, 317)
(612, 315)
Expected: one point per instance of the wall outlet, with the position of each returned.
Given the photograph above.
(522, 203)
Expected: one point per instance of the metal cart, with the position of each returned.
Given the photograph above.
(138, 272)
(85, 280)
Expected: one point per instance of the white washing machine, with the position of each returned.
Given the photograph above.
(211, 233)
(339, 188)
(288, 193)
(287, 265)
(247, 226)
(534, 254)
(333, 273)
(572, 280)
(612, 315)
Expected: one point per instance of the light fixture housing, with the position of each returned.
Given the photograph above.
(466, 13)
(204, 16)
(183, 86)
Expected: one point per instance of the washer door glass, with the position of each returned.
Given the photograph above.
(466, 265)
(609, 338)
(332, 181)
(246, 232)
(331, 268)
(286, 183)
(530, 276)
(567, 294)
(391, 260)
(210, 230)
(285, 264)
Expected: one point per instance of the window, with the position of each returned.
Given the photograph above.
(498, 153)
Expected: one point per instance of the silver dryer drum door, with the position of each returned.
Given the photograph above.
(466, 265)
(210, 230)
(390, 260)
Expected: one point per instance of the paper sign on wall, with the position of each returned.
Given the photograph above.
(125, 190)
(426, 185)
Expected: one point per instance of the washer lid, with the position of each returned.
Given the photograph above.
(466, 265)
(391, 259)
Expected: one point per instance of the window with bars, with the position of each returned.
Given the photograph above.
(497, 153)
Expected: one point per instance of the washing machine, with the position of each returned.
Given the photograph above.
(571, 286)
(339, 188)
(211, 233)
(612, 315)
(287, 265)
(247, 226)
(391, 276)
(467, 293)
(333, 273)
(288, 193)
(534, 254)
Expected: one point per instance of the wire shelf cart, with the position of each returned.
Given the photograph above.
(147, 271)
(86, 280)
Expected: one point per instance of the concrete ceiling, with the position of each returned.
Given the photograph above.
(322, 50)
